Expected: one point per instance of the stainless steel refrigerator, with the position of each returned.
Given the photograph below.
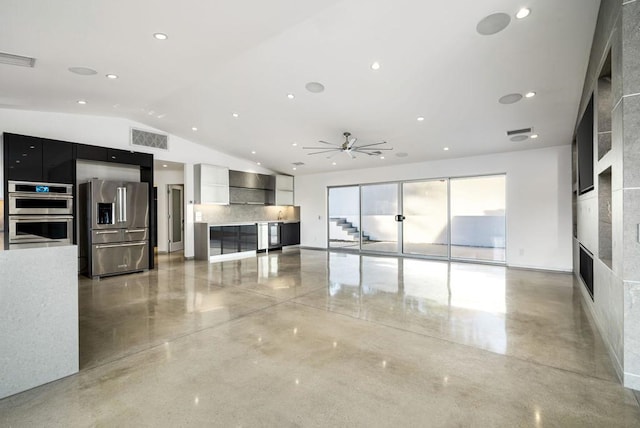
(116, 227)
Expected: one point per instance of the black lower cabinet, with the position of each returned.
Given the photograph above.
(232, 239)
(248, 237)
(289, 233)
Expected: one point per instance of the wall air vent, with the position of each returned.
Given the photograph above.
(519, 131)
(149, 139)
(298, 163)
(22, 61)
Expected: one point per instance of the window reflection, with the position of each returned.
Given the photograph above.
(455, 301)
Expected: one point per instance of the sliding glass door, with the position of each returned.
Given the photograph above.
(425, 229)
(344, 217)
(379, 208)
(456, 218)
(478, 226)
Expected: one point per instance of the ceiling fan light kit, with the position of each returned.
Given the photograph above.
(349, 147)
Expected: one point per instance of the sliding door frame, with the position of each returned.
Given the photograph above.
(400, 249)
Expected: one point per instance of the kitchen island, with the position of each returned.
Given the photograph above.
(38, 317)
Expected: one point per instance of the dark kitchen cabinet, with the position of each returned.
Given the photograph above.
(38, 159)
(230, 239)
(248, 237)
(290, 233)
(23, 157)
(130, 158)
(94, 153)
(57, 162)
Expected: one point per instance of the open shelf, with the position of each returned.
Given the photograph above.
(604, 217)
(604, 107)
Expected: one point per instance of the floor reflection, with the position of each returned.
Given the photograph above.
(506, 311)
(466, 302)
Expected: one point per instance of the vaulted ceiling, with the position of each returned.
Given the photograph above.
(247, 56)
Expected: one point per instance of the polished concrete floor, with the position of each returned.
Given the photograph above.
(465, 252)
(314, 338)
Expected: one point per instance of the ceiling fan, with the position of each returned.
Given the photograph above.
(349, 147)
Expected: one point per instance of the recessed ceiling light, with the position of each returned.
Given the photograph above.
(294, 144)
(334, 163)
(381, 157)
(165, 165)
(193, 128)
(510, 99)
(258, 163)
(446, 149)
(112, 76)
(523, 13)
(235, 115)
(291, 96)
(420, 119)
(83, 71)
(294, 168)
(160, 36)
(375, 66)
(315, 87)
(534, 136)
(493, 24)
(82, 102)
(530, 94)
(253, 152)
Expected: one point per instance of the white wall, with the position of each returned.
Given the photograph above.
(538, 200)
(114, 132)
(162, 179)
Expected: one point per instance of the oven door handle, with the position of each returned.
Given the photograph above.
(135, 230)
(24, 195)
(135, 244)
(107, 232)
(37, 218)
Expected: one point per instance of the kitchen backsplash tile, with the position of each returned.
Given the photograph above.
(220, 214)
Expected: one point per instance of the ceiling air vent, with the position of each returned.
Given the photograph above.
(519, 131)
(149, 139)
(22, 61)
(298, 163)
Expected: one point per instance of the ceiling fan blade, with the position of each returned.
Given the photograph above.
(331, 144)
(372, 144)
(350, 153)
(351, 142)
(360, 149)
(324, 151)
(321, 148)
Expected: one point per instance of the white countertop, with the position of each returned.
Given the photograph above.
(246, 223)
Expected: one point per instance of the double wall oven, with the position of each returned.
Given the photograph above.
(40, 214)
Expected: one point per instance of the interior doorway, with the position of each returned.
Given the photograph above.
(176, 217)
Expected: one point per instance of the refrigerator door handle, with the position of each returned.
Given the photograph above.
(136, 244)
(124, 204)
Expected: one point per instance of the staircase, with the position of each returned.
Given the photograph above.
(351, 230)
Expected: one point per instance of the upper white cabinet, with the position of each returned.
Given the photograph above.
(284, 190)
(211, 184)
